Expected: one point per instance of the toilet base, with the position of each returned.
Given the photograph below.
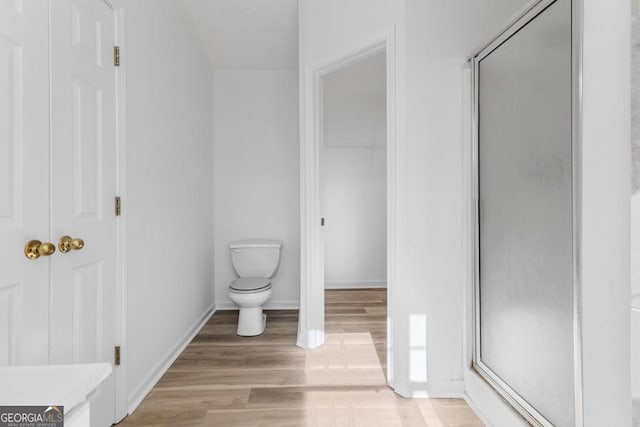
(251, 322)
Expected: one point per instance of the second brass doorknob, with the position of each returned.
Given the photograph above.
(67, 244)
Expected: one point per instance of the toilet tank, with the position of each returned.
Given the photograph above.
(255, 258)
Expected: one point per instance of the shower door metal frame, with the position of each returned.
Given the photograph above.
(510, 395)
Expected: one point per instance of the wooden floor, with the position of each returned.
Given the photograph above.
(225, 380)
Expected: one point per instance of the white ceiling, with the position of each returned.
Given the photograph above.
(247, 34)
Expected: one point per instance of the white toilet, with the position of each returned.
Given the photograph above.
(255, 262)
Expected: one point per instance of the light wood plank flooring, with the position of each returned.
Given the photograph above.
(225, 380)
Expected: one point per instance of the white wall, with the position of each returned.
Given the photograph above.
(354, 176)
(430, 188)
(605, 213)
(635, 354)
(635, 202)
(169, 187)
(331, 26)
(356, 222)
(256, 174)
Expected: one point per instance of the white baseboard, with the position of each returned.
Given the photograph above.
(490, 407)
(635, 354)
(433, 389)
(356, 284)
(275, 305)
(159, 370)
(477, 410)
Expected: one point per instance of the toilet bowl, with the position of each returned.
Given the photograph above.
(255, 262)
(251, 320)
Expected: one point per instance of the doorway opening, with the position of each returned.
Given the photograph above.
(353, 200)
(311, 318)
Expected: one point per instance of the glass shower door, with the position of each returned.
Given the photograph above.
(524, 289)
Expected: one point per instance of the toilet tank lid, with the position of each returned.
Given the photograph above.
(256, 243)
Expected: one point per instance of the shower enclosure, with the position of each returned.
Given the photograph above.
(526, 327)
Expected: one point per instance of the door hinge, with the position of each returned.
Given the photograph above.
(322, 222)
(116, 56)
(118, 206)
(116, 355)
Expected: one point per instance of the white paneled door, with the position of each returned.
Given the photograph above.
(24, 181)
(83, 188)
(83, 180)
(57, 185)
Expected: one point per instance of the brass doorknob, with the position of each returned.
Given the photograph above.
(34, 249)
(67, 244)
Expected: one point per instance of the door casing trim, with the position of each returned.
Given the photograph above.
(311, 317)
(120, 372)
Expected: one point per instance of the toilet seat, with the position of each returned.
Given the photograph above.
(249, 285)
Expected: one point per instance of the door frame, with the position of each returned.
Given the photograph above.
(121, 400)
(121, 409)
(471, 246)
(311, 317)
